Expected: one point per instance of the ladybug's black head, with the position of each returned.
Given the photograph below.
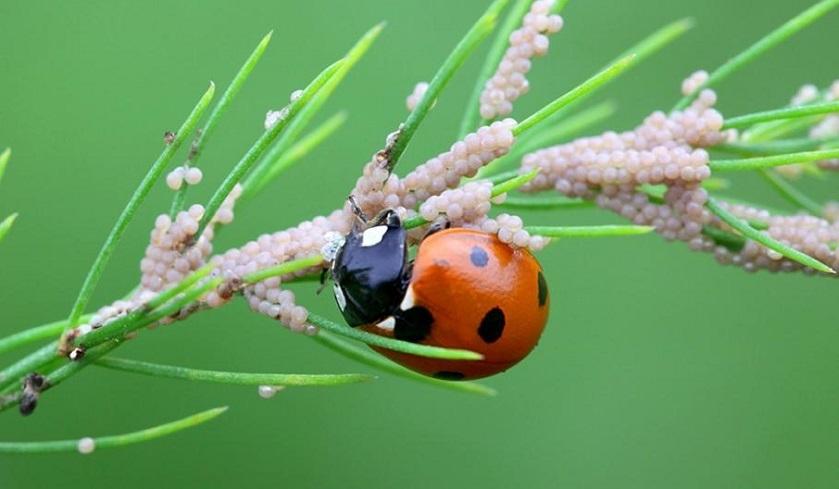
(370, 270)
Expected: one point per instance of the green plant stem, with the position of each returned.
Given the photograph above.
(769, 131)
(115, 440)
(501, 177)
(545, 203)
(222, 377)
(577, 93)
(567, 128)
(782, 146)
(790, 193)
(11, 375)
(391, 344)
(259, 177)
(215, 115)
(760, 162)
(715, 183)
(642, 50)
(33, 335)
(130, 209)
(477, 33)
(35, 361)
(658, 40)
(6, 225)
(779, 35)
(760, 237)
(372, 359)
(514, 183)
(261, 145)
(550, 135)
(120, 327)
(283, 269)
(781, 114)
(588, 231)
(4, 161)
(286, 158)
(493, 58)
(733, 242)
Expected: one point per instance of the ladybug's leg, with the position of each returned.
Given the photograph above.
(388, 217)
(361, 218)
(325, 274)
(438, 225)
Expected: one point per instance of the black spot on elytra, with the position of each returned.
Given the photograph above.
(543, 290)
(492, 325)
(413, 325)
(447, 375)
(479, 256)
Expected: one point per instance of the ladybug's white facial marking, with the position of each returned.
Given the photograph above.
(408, 301)
(388, 324)
(373, 236)
(339, 296)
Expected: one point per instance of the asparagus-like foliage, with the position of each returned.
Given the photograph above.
(285, 158)
(367, 357)
(120, 327)
(577, 93)
(790, 193)
(589, 231)
(259, 177)
(750, 232)
(11, 375)
(772, 161)
(130, 209)
(552, 133)
(479, 31)
(87, 445)
(6, 225)
(261, 145)
(222, 377)
(513, 183)
(34, 335)
(781, 146)
(545, 203)
(781, 114)
(638, 52)
(285, 268)
(659, 39)
(4, 161)
(391, 344)
(779, 35)
(215, 115)
(564, 129)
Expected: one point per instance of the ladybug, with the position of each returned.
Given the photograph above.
(464, 289)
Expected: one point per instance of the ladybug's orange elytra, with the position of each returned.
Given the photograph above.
(480, 294)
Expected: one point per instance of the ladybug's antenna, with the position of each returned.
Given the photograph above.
(357, 210)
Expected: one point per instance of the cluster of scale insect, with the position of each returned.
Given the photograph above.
(190, 175)
(612, 170)
(827, 128)
(809, 234)
(509, 81)
(664, 149)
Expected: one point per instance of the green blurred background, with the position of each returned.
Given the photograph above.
(659, 368)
